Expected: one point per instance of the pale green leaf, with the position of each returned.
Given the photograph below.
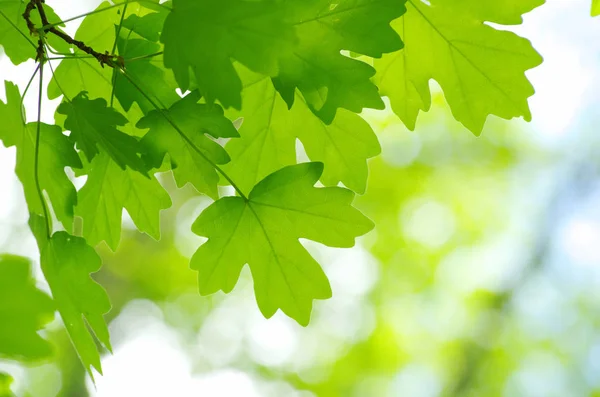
(110, 189)
(15, 37)
(264, 231)
(480, 69)
(56, 153)
(269, 132)
(24, 310)
(595, 8)
(5, 382)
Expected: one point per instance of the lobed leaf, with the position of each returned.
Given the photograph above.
(327, 79)
(110, 189)
(67, 262)
(190, 159)
(56, 153)
(263, 232)
(269, 132)
(480, 69)
(206, 36)
(93, 126)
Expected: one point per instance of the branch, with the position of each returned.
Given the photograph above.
(114, 61)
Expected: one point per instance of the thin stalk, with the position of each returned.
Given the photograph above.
(144, 57)
(25, 92)
(185, 137)
(69, 57)
(114, 47)
(36, 170)
(56, 80)
(51, 25)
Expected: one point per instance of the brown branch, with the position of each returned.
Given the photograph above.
(114, 61)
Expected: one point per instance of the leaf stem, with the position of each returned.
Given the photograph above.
(114, 47)
(36, 173)
(184, 136)
(144, 57)
(25, 92)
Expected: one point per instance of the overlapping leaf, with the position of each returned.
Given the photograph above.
(56, 152)
(93, 126)
(110, 189)
(263, 232)
(24, 310)
(147, 73)
(67, 262)
(15, 37)
(480, 69)
(85, 74)
(206, 36)
(269, 133)
(193, 158)
(327, 79)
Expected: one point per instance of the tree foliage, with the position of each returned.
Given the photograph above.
(280, 71)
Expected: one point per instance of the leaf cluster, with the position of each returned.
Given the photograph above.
(255, 77)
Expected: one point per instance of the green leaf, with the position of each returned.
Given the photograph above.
(67, 262)
(327, 79)
(147, 73)
(506, 12)
(24, 310)
(18, 43)
(269, 133)
(107, 191)
(264, 233)
(148, 26)
(595, 8)
(206, 36)
(56, 153)
(5, 382)
(480, 69)
(85, 74)
(195, 120)
(93, 125)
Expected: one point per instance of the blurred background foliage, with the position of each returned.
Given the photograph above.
(481, 278)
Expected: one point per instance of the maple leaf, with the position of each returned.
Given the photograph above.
(263, 231)
(205, 36)
(110, 189)
(14, 33)
(595, 8)
(93, 125)
(147, 73)
(269, 132)
(67, 262)
(192, 159)
(56, 152)
(327, 79)
(77, 74)
(24, 310)
(480, 69)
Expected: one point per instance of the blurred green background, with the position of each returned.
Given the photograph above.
(481, 278)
